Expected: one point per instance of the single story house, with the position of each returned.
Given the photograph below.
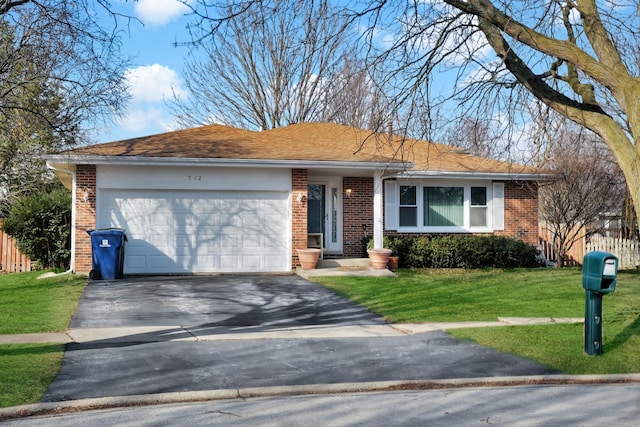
(221, 199)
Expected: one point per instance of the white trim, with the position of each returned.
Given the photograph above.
(60, 160)
(74, 201)
(378, 226)
(466, 184)
(391, 206)
(497, 206)
(510, 176)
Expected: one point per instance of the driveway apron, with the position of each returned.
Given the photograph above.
(182, 310)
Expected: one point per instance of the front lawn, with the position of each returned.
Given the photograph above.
(26, 371)
(28, 305)
(466, 295)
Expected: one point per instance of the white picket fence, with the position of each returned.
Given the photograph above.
(627, 251)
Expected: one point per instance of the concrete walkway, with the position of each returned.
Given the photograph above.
(179, 333)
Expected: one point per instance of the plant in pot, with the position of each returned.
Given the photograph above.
(308, 257)
(394, 261)
(379, 258)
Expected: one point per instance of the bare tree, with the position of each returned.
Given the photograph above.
(578, 58)
(60, 73)
(266, 67)
(72, 51)
(353, 98)
(475, 136)
(588, 183)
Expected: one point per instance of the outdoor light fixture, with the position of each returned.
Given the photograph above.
(348, 192)
(85, 195)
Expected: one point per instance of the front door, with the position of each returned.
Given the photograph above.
(324, 212)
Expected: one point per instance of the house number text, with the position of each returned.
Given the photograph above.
(194, 177)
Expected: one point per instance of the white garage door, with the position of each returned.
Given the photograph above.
(199, 231)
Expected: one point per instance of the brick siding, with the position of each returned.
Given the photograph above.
(299, 180)
(357, 216)
(521, 211)
(85, 216)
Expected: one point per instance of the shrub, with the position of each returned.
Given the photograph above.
(452, 251)
(41, 225)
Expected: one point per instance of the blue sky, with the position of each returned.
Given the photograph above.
(156, 67)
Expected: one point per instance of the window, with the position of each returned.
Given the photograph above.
(408, 206)
(334, 215)
(443, 206)
(479, 208)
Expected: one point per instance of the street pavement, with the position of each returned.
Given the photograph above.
(200, 338)
(549, 406)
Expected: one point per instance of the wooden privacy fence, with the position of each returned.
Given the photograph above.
(11, 260)
(627, 250)
(545, 244)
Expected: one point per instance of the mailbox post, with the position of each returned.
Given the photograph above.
(599, 277)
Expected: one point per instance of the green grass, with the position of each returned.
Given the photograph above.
(28, 305)
(441, 296)
(26, 371)
(465, 295)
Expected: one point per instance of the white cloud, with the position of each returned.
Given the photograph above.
(153, 83)
(141, 119)
(150, 86)
(159, 12)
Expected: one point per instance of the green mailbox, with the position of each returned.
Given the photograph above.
(599, 276)
(599, 272)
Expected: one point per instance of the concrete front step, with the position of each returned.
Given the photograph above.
(343, 262)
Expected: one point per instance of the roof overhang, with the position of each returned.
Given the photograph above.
(63, 162)
(506, 176)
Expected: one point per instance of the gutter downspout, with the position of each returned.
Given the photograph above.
(72, 261)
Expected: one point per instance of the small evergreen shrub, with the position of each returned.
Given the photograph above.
(41, 225)
(451, 251)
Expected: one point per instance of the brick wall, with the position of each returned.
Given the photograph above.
(85, 216)
(357, 214)
(298, 213)
(521, 211)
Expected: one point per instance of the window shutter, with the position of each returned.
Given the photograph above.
(391, 205)
(498, 205)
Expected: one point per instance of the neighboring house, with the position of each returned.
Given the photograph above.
(221, 199)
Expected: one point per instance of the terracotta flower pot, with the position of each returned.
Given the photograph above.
(308, 258)
(379, 258)
(393, 262)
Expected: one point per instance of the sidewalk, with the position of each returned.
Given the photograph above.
(179, 333)
(324, 348)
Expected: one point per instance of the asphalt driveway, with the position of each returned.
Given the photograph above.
(215, 301)
(176, 358)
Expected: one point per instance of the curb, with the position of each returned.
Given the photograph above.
(52, 408)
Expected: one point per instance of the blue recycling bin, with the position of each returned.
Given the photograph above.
(107, 248)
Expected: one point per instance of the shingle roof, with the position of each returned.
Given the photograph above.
(305, 142)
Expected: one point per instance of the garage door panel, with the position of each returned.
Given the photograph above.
(136, 263)
(229, 263)
(251, 241)
(251, 262)
(199, 231)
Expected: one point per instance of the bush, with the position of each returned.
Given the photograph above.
(41, 225)
(452, 251)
